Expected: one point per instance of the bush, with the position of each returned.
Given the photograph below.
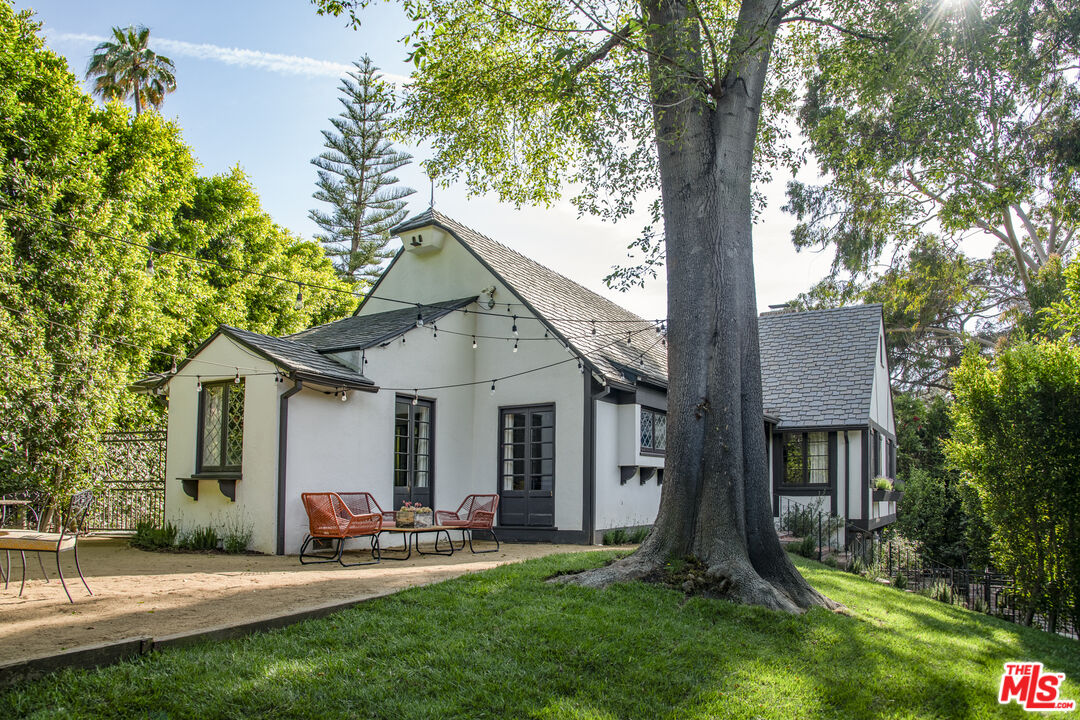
(900, 581)
(616, 537)
(807, 547)
(148, 536)
(883, 483)
(235, 535)
(638, 535)
(200, 538)
(801, 520)
(940, 591)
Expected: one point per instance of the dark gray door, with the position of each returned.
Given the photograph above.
(414, 444)
(527, 466)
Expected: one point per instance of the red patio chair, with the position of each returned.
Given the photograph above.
(477, 512)
(329, 518)
(363, 503)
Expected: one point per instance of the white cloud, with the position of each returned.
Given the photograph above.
(240, 57)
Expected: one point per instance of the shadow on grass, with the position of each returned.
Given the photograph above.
(504, 644)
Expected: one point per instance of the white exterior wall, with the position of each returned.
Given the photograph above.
(881, 407)
(855, 479)
(618, 443)
(256, 500)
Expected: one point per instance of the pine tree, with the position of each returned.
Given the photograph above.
(355, 178)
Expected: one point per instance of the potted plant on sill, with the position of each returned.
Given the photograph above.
(883, 490)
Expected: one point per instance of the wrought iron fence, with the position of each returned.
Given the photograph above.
(980, 590)
(804, 520)
(130, 482)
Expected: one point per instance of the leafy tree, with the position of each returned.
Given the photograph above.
(621, 100)
(964, 122)
(1062, 317)
(126, 67)
(936, 510)
(355, 178)
(80, 317)
(1017, 443)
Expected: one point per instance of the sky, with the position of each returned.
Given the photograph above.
(257, 83)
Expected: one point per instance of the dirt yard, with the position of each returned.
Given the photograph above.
(138, 593)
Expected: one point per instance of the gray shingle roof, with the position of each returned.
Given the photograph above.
(566, 306)
(817, 367)
(299, 358)
(363, 331)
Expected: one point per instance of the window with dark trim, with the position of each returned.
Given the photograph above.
(653, 430)
(806, 458)
(221, 427)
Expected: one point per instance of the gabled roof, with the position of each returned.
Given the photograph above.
(301, 360)
(817, 367)
(565, 306)
(360, 332)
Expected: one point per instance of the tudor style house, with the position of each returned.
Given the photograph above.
(470, 368)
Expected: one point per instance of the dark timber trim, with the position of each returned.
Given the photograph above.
(283, 456)
(833, 470)
(516, 533)
(864, 486)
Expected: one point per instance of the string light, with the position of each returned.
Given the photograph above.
(514, 328)
(269, 276)
(492, 387)
(299, 304)
(415, 396)
(474, 342)
(435, 332)
(198, 384)
(515, 345)
(593, 327)
(419, 316)
(580, 367)
(236, 379)
(174, 366)
(150, 265)
(344, 396)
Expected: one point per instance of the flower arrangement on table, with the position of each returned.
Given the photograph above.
(414, 515)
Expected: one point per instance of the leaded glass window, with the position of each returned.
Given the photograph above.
(653, 430)
(221, 420)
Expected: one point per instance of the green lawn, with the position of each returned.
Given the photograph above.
(504, 644)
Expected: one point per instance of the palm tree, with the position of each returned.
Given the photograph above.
(125, 67)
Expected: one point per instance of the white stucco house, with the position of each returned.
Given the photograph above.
(470, 368)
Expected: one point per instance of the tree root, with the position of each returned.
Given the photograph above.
(737, 582)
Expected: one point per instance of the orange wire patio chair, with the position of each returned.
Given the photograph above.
(476, 512)
(329, 518)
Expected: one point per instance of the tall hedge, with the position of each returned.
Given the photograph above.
(1016, 440)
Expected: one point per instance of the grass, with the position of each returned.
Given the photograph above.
(504, 644)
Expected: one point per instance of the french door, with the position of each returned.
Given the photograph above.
(527, 466)
(414, 445)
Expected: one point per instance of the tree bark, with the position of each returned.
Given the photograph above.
(715, 501)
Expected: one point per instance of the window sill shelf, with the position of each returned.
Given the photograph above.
(226, 484)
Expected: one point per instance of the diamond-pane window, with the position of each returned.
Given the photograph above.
(653, 430)
(222, 418)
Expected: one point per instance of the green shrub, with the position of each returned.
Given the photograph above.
(801, 520)
(900, 581)
(616, 537)
(149, 536)
(883, 483)
(235, 535)
(940, 591)
(807, 547)
(830, 560)
(638, 535)
(856, 565)
(200, 538)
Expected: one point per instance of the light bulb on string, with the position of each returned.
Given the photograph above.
(514, 328)
(344, 396)
(415, 396)
(198, 384)
(580, 367)
(402, 339)
(299, 304)
(593, 327)
(150, 265)
(515, 345)
(435, 332)
(474, 342)
(236, 379)
(174, 365)
(492, 387)
(419, 316)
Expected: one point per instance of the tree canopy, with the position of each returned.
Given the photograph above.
(84, 191)
(126, 67)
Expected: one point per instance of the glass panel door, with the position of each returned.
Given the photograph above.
(413, 447)
(527, 466)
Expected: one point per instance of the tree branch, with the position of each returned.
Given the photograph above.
(839, 28)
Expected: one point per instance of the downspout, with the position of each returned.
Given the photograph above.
(283, 456)
(847, 486)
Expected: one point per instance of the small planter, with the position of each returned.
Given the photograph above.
(887, 495)
(405, 518)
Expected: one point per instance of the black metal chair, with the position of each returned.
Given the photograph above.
(25, 541)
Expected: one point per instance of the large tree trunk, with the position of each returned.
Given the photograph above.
(715, 502)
